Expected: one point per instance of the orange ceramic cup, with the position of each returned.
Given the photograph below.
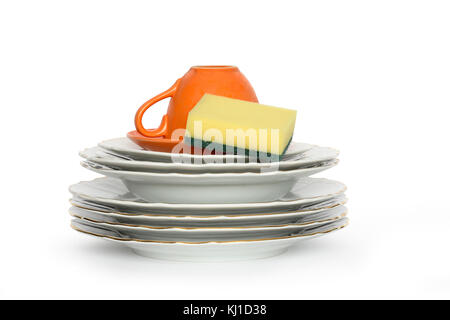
(225, 81)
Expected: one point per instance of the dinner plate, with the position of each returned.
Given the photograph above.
(210, 187)
(155, 221)
(78, 202)
(228, 250)
(124, 146)
(113, 194)
(208, 234)
(101, 156)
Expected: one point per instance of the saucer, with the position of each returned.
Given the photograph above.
(210, 187)
(230, 250)
(112, 193)
(159, 144)
(125, 147)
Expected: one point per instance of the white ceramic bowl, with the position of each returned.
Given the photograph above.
(210, 187)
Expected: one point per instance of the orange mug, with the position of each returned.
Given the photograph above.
(225, 81)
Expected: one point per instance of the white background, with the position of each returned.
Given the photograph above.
(371, 78)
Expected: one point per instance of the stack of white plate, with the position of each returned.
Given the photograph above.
(193, 207)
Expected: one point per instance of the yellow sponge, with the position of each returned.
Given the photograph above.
(240, 125)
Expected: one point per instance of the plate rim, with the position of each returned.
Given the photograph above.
(281, 226)
(342, 202)
(230, 175)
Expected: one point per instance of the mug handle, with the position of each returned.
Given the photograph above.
(162, 129)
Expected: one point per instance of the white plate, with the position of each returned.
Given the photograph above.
(332, 210)
(208, 234)
(308, 158)
(126, 147)
(208, 251)
(113, 193)
(210, 187)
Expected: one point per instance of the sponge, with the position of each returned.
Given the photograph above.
(232, 126)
